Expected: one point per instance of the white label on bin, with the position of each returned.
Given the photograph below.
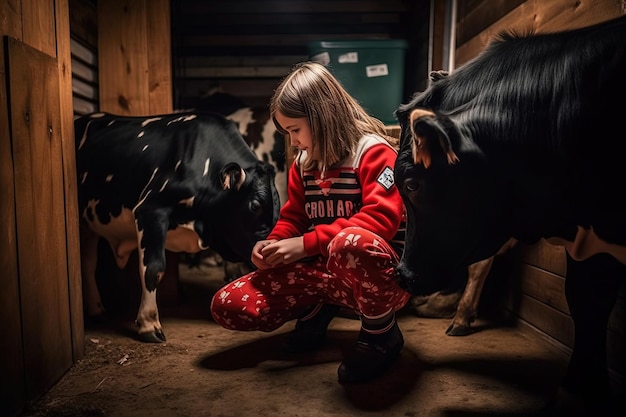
(377, 70)
(323, 58)
(348, 58)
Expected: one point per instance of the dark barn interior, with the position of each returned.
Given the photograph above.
(141, 57)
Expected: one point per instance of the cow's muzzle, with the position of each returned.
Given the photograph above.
(408, 280)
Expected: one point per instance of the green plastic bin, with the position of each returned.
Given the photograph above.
(371, 70)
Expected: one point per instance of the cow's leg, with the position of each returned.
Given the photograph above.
(467, 309)
(88, 262)
(152, 228)
(591, 289)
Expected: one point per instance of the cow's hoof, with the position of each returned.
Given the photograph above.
(152, 337)
(459, 330)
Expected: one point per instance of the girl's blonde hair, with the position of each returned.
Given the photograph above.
(336, 119)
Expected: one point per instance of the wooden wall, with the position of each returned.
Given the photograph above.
(40, 301)
(536, 295)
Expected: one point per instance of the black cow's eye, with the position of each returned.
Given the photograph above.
(255, 206)
(411, 185)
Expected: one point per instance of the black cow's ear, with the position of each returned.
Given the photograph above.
(427, 132)
(232, 176)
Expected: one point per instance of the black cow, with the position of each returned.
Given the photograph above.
(526, 141)
(181, 182)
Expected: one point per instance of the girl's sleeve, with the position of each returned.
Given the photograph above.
(382, 207)
(292, 220)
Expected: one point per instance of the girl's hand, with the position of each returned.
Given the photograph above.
(283, 251)
(257, 257)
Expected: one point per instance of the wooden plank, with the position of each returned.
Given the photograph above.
(474, 16)
(546, 256)
(36, 132)
(38, 25)
(12, 394)
(548, 320)
(299, 40)
(225, 23)
(123, 58)
(545, 16)
(543, 286)
(11, 22)
(290, 6)
(160, 58)
(82, 106)
(85, 73)
(74, 279)
(84, 21)
(241, 61)
(236, 72)
(85, 90)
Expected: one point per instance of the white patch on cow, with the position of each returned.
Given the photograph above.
(145, 189)
(184, 239)
(120, 232)
(182, 119)
(122, 235)
(154, 119)
(140, 135)
(206, 167)
(263, 151)
(243, 117)
(109, 178)
(144, 148)
(187, 201)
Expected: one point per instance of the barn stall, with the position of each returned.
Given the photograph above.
(244, 47)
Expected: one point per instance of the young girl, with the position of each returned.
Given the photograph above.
(334, 243)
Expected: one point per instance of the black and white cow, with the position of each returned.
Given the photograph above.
(526, 141)
(257, 129)
(181, 182)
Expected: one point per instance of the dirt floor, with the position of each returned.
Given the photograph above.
(205, 370)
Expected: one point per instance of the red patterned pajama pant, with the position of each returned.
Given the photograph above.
(358, 274)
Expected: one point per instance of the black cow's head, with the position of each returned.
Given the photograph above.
(249, 202)
(451, 198)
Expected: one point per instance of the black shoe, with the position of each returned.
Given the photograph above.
(311, 334)
(371, 357)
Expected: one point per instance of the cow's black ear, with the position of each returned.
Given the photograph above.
(232, 176)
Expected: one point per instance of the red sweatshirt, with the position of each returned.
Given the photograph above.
(358, 191)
